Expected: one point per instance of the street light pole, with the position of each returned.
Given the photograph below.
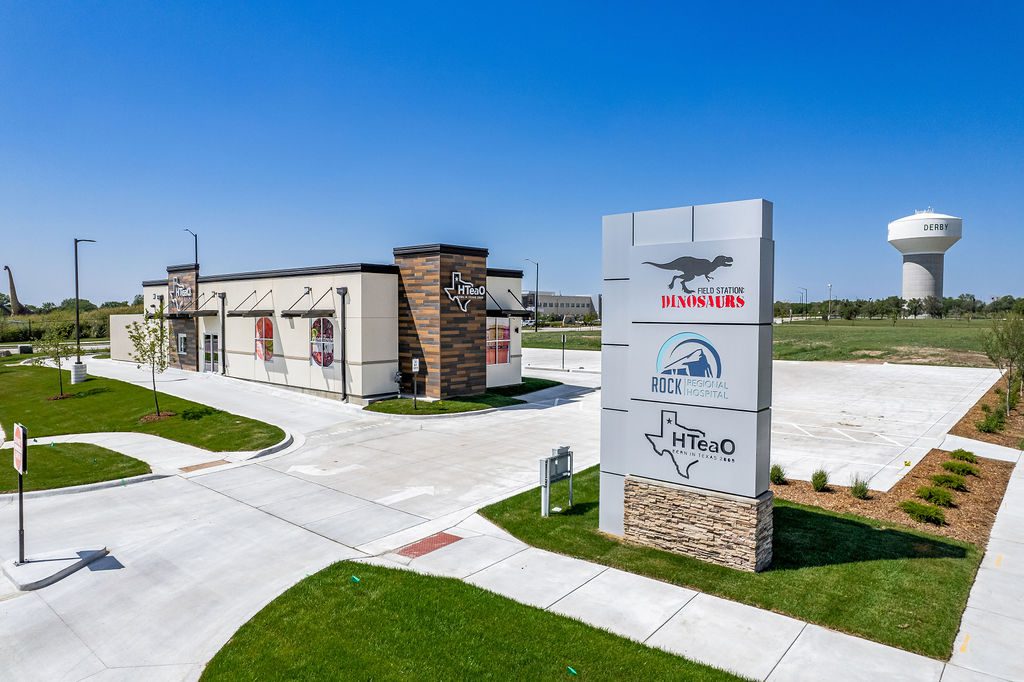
(536, 295)
(829, 302)
(195, 244)
(78, 333)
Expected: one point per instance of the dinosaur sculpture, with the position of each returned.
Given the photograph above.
(16, 307)
(689, 268)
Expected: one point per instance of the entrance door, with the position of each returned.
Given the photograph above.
(211, 352)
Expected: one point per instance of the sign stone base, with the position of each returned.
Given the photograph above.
(724, 529)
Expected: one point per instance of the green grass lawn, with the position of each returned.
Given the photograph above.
(65, 464)
(101, 404)
(501, 396)
(935, 341)
(868, 578)
(940, 342)
(398, 625)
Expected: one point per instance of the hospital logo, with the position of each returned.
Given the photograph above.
(689, 366)
(462, 292)
(686, 446)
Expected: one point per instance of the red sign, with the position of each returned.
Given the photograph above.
(20, 448)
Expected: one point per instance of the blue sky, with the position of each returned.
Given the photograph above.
(299, 134)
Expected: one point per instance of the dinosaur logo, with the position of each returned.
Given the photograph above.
(690, 268)
(462, 292)
(686, 446)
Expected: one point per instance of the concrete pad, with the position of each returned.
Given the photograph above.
(363, 524)
(313, 506)
(466, 557)
(990, 643)
(41, 570)
(981, 448)
(629, 605)
(151, 673)
(536, 577)
(820, 654)
(724, 634)
(35, 644)
(479, 524)
(954, 673)
(994, 591)
(1004, 555)
(1009, 523)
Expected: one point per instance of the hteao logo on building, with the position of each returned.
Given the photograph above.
(686, 446)
(689, 366)
(181, 295)
(462, 292)
(689, 268)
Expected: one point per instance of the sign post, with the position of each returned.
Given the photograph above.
(21, 466)
(687, 375)
(563, 351)
(553, 469)
(415, 381)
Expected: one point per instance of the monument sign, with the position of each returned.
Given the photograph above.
(687, 375)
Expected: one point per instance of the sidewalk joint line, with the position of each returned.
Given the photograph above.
(784, 653)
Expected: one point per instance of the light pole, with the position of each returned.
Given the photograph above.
(803, 299)
(829, 302)
(78, 333)
(195, 244)
(536, 294)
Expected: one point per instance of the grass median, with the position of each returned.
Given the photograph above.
(99, 404)
(394, 624)
(500, 396)
(857, 575)
(65, 464)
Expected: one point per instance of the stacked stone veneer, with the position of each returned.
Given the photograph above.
(450, 343)
(724, 529)
(188, 275)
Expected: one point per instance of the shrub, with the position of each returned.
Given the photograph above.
(960, 468)
(196, 413)
(777, 475)
(859, 488)
(986, 408)
(951, 481)
(937, 496)
(963, 456)
(925, 513)
(994, 420)
(819, 481)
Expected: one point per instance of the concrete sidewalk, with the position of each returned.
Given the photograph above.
(992, 627)
(749, 641)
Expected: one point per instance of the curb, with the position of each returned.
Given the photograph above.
(288, 440)
(559, 369)
(468, 413)
(84, 561)
(87, 487)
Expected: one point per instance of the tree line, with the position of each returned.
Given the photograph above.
(964, 306)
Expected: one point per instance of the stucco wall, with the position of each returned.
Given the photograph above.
(120, 346)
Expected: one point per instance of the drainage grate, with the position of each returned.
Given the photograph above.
(428, 545)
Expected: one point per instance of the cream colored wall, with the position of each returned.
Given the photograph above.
(371, 334)
(512, 373)
(120, 345)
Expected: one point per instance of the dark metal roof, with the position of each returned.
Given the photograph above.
(301, 272)
(154, 283)
(183, 268)
(426, 249)
(501, 272)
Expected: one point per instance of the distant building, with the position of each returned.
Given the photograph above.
(559, 305)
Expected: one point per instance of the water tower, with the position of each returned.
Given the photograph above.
(923, 239)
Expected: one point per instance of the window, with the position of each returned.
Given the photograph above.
(321, 342)
(265, 338)
(182, 344)
(498, 341)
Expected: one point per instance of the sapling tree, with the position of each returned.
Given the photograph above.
(148, 350)
(1004, 346)
(53, 348)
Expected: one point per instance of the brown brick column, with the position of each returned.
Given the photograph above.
(182, 279)
(442, 317)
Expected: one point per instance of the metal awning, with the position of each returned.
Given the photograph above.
(312, 312)
(501, 312)
(264, 312)
(204, 313)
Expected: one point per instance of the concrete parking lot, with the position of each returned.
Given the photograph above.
(195, 555)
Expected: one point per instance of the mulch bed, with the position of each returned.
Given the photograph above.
(150, 418)
(1011, 436)
(970, 520)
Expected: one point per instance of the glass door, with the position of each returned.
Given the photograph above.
(211, 352)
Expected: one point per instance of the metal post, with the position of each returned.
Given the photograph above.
(829, 302)
(536, 295)
(545, 491)
(563, 351)
(78, 334)
(195, 247)
(415, 381)
(21, 519)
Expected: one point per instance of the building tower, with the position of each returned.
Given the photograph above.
(923, 239)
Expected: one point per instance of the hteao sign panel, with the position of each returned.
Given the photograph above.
(724, 281)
